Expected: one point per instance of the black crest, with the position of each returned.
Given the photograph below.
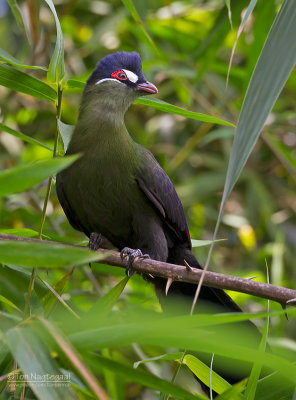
(117, 61)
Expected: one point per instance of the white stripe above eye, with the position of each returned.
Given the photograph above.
(107, 79)
(131, 75)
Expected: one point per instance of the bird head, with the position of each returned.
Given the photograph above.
(120, 74)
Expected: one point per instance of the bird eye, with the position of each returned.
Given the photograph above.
(121, 75)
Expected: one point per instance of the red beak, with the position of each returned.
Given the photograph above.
(147, 87)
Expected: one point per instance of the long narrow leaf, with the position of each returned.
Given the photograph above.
(202, 371)
(170, 108)
(36, 362)
(136, 375)
(134, 13)
(13, 61)
(273, 68)
(56, 69)
(44, 254)
(23, 137)
(21, 178)
(24, 83)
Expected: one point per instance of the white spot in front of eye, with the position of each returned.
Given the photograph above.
(131, 75)
(107, 79)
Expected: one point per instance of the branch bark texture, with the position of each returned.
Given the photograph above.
(282, 295)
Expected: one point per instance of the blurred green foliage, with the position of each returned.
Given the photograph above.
(185, 48)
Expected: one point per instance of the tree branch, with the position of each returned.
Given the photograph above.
(282, 295)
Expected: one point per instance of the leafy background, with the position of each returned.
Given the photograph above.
(185, 47)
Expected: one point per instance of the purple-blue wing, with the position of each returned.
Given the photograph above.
(160, 191)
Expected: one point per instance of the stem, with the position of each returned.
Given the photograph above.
(48, 190)
(56, 140)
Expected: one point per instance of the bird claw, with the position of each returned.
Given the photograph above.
(131, 254)
(95, 240)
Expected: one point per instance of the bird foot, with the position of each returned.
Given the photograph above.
(95, 240)
(131, 254)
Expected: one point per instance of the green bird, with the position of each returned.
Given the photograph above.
(117, 189)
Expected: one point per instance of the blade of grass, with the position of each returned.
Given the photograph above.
(44, 254)
(59, 298)
(142, 377)
(21, 178)
(72, 355)
(129, 5)
(4, 56)
(23, 137)
(170, 108)
(34, 358)
(56, 69)
(273, 68)
(24, 83)
(247, 13)
(202, 371)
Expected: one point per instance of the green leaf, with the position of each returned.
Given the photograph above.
(23, 137)
(202, 371)
(104, 305)
(13, 61)
(9, 303)
(247, 13)
(56, 69)
(16, 13)
(24, 83)
(75, 84)
(44, 254)
(273, 68)
(33, 356)
(163, 357)
(74, 358)
(134, 13)
(59, 298)
(30, 233)
(18, 179)
(169, 108)
(275, 386)
(141, 377)
(256, 369)
(234, 392)
(285, 154)
(51, 297)
(201, 243)
(66, 132)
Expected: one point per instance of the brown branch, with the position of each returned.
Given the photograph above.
(282, 295)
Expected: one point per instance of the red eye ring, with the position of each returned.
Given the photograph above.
(120, 75)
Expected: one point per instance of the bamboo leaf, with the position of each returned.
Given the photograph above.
(201, 243)
(23, 177)
(72, 355)
(273, 68)
(56, 69)
(35, 360)
(247, 13)
(23, 137)
(44, 254)
(170, 108)
(66, 132)
(16, 13)
(9, 303)
(24, 83)
(134, 13)
(143, 378)
(4, 56)
(163, 357)
(202, 371)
